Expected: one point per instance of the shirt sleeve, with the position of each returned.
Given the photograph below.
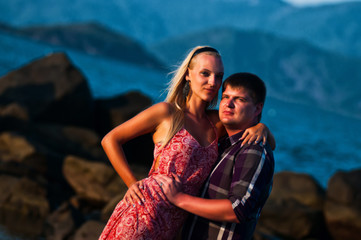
(252, 174)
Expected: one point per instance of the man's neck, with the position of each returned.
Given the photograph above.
(231, 131)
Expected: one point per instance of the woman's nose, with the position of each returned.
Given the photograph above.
(212, 80)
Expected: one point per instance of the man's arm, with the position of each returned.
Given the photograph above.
(213, 209)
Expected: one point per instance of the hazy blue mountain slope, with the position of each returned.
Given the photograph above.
(294, 70)
(106, 77)
(126, 16)
(333, 27)
(93, 39)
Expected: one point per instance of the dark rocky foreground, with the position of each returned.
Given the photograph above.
(56, 183)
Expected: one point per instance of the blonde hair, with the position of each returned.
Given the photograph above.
(175, 88)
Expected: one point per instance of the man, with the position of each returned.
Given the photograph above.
(240, 183)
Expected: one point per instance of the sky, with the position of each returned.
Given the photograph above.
(316, 2)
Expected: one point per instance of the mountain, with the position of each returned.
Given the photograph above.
(332, 27)
(91, 38)
(106, 77)
(294, 71)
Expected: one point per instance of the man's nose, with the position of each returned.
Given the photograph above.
(230, 103)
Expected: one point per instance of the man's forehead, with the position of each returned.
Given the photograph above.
(236, 90)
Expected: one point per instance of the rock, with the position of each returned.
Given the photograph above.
(109, 208)
(23, 205)
(20, 157)
(95, 182)
(50, 89)
(69, 140)
(294, 208)
(15, 148)
(300, 187)
(114, 111)
(90, 230)
(343, 205)
(60, 224)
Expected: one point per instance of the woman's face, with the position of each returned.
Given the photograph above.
(205, 75)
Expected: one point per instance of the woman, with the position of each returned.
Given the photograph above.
(185, 138)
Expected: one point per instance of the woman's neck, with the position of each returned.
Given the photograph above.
(196, 109)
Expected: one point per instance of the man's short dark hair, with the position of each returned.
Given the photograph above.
(249, 81)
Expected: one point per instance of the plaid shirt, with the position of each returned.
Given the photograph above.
(244, 176)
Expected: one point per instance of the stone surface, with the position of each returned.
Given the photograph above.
(92, 181)
(294, 208)
(23, 205)
(343, 205)
(90, 230)
(48, 89)
(60, 224)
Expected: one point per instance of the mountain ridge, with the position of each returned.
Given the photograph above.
(91, 38)
(333, 27)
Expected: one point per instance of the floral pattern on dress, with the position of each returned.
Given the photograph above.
(156, 217)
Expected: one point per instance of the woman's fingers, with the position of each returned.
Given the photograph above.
(134, 195)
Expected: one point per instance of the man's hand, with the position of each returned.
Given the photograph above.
(172, 187)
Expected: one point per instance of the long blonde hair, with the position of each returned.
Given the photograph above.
(175, 88)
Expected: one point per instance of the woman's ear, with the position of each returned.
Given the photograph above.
(187, 78)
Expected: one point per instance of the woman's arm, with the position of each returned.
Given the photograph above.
(257, 133)
(145, 122)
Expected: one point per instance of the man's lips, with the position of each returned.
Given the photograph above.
(227, 113)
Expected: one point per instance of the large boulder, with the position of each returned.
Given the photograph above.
(19, 156)
(50, 89)
(63, 222)
(294, 208)
(23, 205)
(93, 182)
(90, 230)
(111, 112)
(114, 111)
(343, 205)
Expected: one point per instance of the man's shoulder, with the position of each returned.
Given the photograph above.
(254, 152)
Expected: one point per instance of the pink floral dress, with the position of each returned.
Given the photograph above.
(157, 218)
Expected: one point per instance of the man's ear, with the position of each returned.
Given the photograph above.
(259, 107)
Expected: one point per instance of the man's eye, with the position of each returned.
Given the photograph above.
(206, 74)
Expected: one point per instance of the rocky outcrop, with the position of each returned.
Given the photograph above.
(50, 89)
(343, 205)
(94, 182)
(54, 175)
(23, 205)
(294, 208)
(89, 231)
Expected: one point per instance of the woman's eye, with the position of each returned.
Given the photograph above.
(206, 74)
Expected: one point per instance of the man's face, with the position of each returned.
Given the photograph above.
(237, 110)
